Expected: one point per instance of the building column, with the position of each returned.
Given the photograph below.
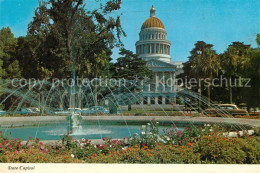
(148, 100)
(163, 49)
(163, 100)
(163, 81)
(156, 100)
(156, 81)
(150, 47)
(172, 82)
(149, 87)
(142, 86)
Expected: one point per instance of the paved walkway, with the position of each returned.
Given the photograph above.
(23, 121)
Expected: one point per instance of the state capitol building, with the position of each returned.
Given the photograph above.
(154, 48)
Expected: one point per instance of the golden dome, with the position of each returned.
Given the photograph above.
(153, 22)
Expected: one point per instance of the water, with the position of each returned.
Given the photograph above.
(51, 97)
(88, 131)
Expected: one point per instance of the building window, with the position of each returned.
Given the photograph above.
(167, 100)
(160, 100)
(152, 100)
(145, 100)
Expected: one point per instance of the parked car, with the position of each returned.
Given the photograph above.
(59, 111)
(35, 109)
(24, 111)
(2, 112)
(74, 110)
(225, 109)
(95, 110)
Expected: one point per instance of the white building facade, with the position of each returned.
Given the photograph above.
(154, 48)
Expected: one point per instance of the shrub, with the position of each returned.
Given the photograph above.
(219, 149)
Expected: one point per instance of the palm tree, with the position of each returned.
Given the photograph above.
(206, 65)
(233, 62)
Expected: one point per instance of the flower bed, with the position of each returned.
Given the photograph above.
(193, 145)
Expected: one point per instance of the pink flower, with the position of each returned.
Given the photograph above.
(63, 147)
(42, 147)
(16, 152)
(179, 132)
(174, 126)
(30, 146)
(9, 146)
(19, 145)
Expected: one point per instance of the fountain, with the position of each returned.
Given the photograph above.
(82, 123)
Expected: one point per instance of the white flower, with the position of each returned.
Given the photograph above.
(143, 126)
(167, 138)
(95, 146)
(83, 139)
(72, 155)
(148, 124)
(172, 142)
(110, 146)
(208, 125)
(124, 148)
(157, 122)
(143, 133)
(82, 144)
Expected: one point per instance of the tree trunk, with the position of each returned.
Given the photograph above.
(230, 91)
(209, 95)
(199, 90)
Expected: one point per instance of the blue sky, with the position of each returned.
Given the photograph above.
(219, 22)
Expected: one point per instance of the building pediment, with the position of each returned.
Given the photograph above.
(158, 63)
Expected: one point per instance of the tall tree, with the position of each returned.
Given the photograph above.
(258, 40)
(206, 65)
(202, 63)
(233, 61)
(251, 95)
(8, 44)
(130, 66)
(73, 38)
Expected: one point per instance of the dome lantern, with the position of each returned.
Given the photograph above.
(152, 12)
